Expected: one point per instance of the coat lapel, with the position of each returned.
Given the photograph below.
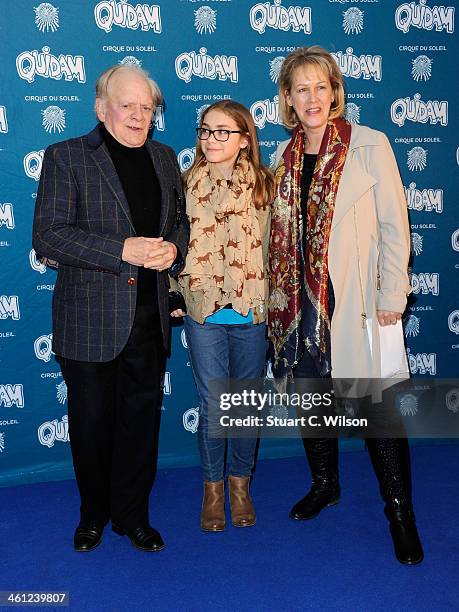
(353, 185)
(104, 162)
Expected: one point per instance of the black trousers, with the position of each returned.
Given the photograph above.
(114, 413)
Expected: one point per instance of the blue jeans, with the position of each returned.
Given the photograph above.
(222, 352)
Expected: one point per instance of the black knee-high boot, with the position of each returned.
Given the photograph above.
(322, 454)
(391, 461)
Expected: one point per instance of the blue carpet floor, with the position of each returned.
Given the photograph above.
(340, 561)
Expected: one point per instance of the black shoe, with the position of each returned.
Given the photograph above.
(143, 538)
(88, 535)
(314, 502)
(407, 545)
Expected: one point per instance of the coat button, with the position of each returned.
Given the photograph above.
(131, 280)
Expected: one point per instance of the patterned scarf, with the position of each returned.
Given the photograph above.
(225, 258)
(298, 302)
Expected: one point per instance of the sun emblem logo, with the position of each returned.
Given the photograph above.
(2, 442)
(412, 326)
(46, 17)
(278, 411)
(275, 66)
(416, 159)
(416, 243)
(53, 119)
(205, 20)
(353, 20)
(352, 112)
(409, 405)
(130, 60)
(272, 159)
(61, 392)
(199, 112)
(422, 68)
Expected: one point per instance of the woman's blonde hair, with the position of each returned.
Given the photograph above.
(104, 80)
(309, 56)
(263, 191)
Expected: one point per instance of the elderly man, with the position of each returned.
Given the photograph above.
(109, 210)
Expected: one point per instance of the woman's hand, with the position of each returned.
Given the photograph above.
(178, 313)
(388, 317)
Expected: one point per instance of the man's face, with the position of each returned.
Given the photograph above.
(128, 109)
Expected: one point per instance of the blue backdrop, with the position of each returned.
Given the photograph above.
(399, 60)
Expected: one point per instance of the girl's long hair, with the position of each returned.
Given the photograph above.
(263, 191)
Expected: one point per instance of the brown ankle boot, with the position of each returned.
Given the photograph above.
(213, 506)
(242, 510)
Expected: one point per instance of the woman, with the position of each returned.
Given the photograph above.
(224, 286)
(339, 252)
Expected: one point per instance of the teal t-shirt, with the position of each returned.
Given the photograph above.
(228, 316)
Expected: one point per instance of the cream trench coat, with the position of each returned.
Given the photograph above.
(368, 252)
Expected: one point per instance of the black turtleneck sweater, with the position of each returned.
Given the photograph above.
(143, 193)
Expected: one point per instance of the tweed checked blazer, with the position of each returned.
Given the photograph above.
(81, 220)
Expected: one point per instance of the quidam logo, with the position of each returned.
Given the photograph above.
(61, 392)
(275, 66)
(277, 17)
(412, 326)
(40, 265)
(205, 20)
(352, 112)
(158, 119)
(205, 66)
(455, 240)
(3, 121)
(422, 68)
(12, 395)
(424, 199)
(53, 431)
(359, 66)
(111, 13)
(183, 339)
(7, 216)
(422, 363)
(269, 371)
(53, 119)
(425, 283)
(191, 420)
(130, 60)
(416, 243)
(186, 157)
(30, 64)
(167, 387)
(32, 164)
(43, 347)
(9, 307)
(407, 109)
(424, 17)
(453, 322)
(266, 111)
(416, 159)
(353, 20)
(46, 17)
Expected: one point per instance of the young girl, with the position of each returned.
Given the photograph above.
(224, 286)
